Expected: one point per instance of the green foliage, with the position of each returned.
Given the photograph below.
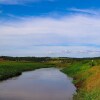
(10, 69)
(82, 73)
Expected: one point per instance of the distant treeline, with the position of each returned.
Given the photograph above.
(35, 59)
(44, 59)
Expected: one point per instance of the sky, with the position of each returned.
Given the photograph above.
(54, 28)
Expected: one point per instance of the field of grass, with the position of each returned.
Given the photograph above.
(86, 77)
(85, 73)
(10, 69)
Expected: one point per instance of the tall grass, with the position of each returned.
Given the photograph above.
(11, 69)
(86, 78)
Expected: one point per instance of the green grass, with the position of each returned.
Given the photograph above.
(85, 74)
(10, 69)
(86, 78)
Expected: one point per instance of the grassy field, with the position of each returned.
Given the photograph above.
(85, 73)
(86, 77)
(10, 69)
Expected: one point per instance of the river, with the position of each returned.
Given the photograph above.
(40, 84)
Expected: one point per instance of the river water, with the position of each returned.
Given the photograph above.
(41, 84)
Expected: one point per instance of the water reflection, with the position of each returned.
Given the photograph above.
(41, 84)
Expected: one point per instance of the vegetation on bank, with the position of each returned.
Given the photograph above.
(10, 69)
(85, 72)
(86, 77)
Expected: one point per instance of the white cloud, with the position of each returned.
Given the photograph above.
(88, 11)
(24, 34)
(16, 2)
(53, 51)
(75, 51)
(74, 29)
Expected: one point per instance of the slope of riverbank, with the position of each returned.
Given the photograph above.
(87, 80)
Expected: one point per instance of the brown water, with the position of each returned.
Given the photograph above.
(41, 84)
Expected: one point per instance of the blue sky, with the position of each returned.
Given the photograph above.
(50, 28)
(44, 7)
